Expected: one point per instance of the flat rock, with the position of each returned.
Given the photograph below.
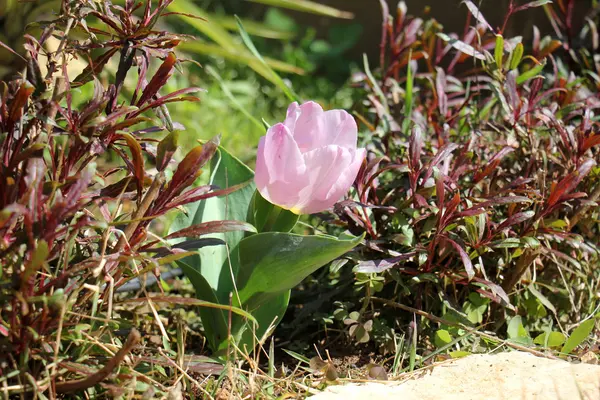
(502, 376)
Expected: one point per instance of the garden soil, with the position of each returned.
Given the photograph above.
(502, 376)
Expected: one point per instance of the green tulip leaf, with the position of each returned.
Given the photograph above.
(268, 315)
(268, 217)
(214, 321)
(273, 262)
(213, 263)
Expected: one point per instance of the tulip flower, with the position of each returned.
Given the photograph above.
(307, 163)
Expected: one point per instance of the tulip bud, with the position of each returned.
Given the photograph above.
(307, 163)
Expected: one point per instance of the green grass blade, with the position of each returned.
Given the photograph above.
(211, 71)
(214, 31)
(243, 57)
(225, 44)
(277, 79)
(254, 28)
(308, 7)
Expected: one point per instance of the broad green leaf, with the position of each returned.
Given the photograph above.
(515, 328)
(550, 339)
(273, 262)
(214, 321)
(267, 315)
(270, 265)
(581, 333)
(442, 338)
(307, 6)
(213, 262)
(268, 217)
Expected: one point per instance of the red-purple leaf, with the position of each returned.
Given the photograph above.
(378, 266)
(441, 155)
(477, 14)
(440, 87)
(416, 144)
(110, 119)
(440, 193)
(192, 244)
(536, 3)
(571, 181)
(202, 193)
(20, 100)
(451, 207)
(137, 158)
(166, 149)
(464, 257)
(516, 219)
(94, 68)
(109, 21)
(6, 47)
(190, 167)
(158, 80)
(511, 89)
(462, 46)
(492, 164)
(590, 142)
(497, 292)
(494, 201)
(206, 228)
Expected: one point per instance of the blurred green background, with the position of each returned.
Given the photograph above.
(313, 46)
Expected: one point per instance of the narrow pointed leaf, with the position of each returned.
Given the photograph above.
(464, 257)
(579, 335)
(205, 228)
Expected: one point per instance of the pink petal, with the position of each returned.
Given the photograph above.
(293, 112)
(331, 170)
(307, 125)
(340, 128)
(313, 128)
(280, 170)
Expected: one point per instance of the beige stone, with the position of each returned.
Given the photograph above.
(503, 376)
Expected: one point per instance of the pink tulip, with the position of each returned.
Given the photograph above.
(307, 163)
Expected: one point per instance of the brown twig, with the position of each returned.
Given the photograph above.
(581, 210)
(141, 211)
(77, 385)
